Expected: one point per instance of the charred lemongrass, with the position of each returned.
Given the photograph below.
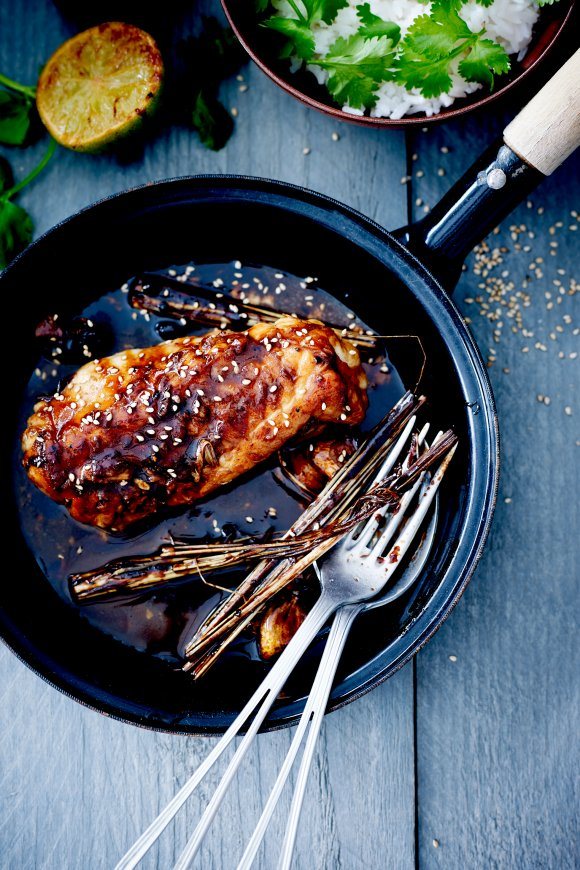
(166, 297)
(281, 576)
(333, 501)
(173, 562)
(137, 574)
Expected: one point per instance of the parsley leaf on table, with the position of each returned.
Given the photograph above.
(356, 66)
(15, 230)
(210, 58)
(6, 177)
(372, 25)
(434, 41)
(15, 222)
(16, 111)
(212, 121)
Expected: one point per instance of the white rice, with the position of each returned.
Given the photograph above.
(509, 22)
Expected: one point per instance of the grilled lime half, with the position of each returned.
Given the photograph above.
(98, 86)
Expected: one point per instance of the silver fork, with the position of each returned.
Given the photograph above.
(313, 714)
(350, 580)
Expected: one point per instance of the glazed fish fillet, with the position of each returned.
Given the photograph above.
(166, 425)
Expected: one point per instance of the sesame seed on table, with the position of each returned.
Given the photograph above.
(465, 757)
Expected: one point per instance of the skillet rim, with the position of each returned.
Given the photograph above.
(410, 267)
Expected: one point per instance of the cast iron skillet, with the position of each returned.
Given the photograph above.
(216, 219)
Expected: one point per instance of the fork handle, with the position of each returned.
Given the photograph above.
(265, 695)
(317, 704)
(312, 716)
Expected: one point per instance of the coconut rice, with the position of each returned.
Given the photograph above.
(508, 22)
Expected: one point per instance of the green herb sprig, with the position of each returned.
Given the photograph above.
(298, 30)
(17, 109)
(435, 44)
(15, 222)
(210, 58)
(434, 41)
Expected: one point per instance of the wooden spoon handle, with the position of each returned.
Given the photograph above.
(547, 130)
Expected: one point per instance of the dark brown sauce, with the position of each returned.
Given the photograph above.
(160, 623)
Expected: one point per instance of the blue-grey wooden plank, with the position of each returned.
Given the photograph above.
(497, 688)
(76, 788)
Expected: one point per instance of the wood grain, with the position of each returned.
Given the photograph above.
(496, 751)
(77, 788)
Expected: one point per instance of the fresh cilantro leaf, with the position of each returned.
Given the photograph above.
(430, 76)
(261, 5)
(485, 3)
(356, 67)
(372, 25)
(434, 41)
(15, 117)
(546, 2)
(15, 230)
(212, 121)
(299, 35)
(6, 177)
(298, 30)
(323, 10)
(436, 35)
(485, 58)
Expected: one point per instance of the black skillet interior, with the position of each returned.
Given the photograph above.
(218, 220)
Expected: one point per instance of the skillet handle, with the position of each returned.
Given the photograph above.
(547, 130)
(535, 143)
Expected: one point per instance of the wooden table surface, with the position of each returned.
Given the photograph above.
(467, 758)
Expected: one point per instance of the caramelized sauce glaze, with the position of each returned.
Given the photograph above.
(160, 623)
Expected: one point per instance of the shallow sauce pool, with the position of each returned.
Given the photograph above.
(160, 623)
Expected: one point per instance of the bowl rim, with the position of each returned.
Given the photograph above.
(406, 121)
